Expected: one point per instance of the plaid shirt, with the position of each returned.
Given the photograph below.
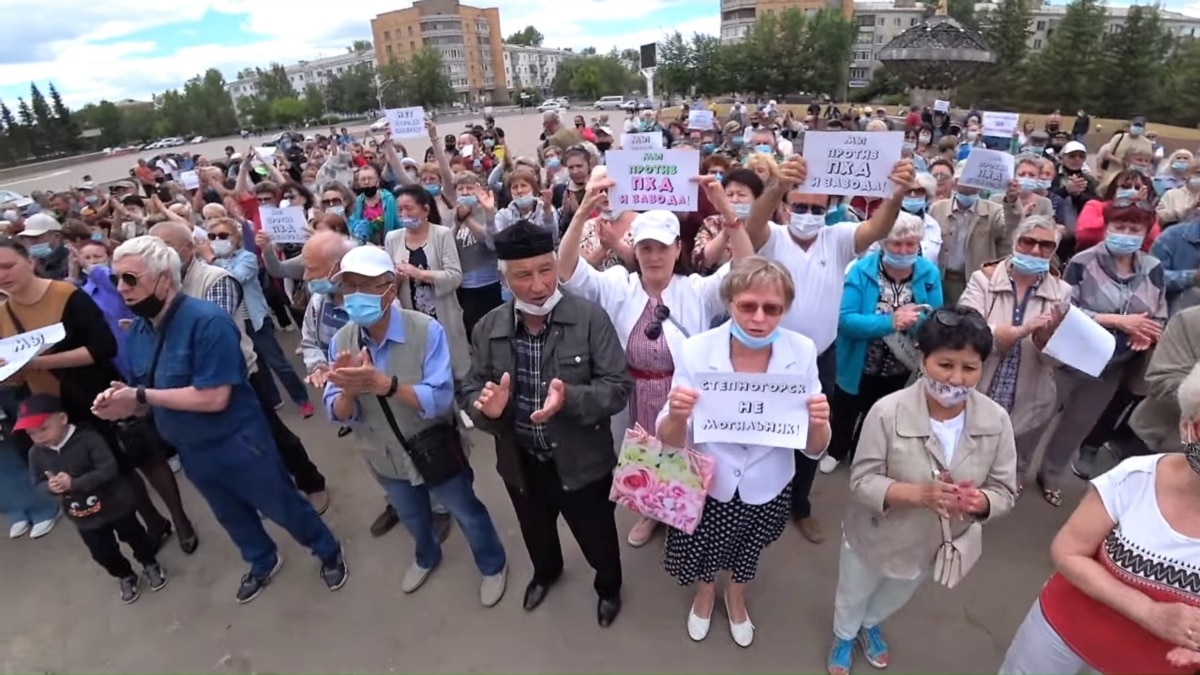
(529, 390)
(226, 294)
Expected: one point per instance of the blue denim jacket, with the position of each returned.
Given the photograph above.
(1178, 248)
(244, 267)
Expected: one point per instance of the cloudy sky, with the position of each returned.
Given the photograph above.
(116, 49)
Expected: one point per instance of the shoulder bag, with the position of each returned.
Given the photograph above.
(957, 555)
(139, 438)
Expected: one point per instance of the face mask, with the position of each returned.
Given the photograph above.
(477, 164)
(222, 247)
(97, 236)
(900, 261)
(553, 163)
(1023, 263)
(1194, 182)
(765, 149)
(364, 309)
(644, 125)
(320, 286)
(410, 223)
(149, 306)
(468, 200)
(488, 143)
(749, 340)
(909, 146)
(604, 146)
(1192, 453)
(336, 211)
(737, 141)
(1122, 244)
(742, 210)
(524, 202)
(1037, 149)
(707, 148)
(434, 189)
(88, 269)
(806, 225)
(42, 250)
(1028, 184)
(538, 310)
(913, 204)
(1179, 166)
(947, 395)
(368, 191)
(1044, 184)
(91, 199)
(719, 176)
(1136, 130)
(312, 187)
(972, 135)
(966, 200)
(608, 215)
(1124, 197)
(924, 139)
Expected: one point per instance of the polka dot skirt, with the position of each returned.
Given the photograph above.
(731, 535)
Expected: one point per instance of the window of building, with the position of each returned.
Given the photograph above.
(882, 20)
(1037, 43)
(1041, 26)
(896, 21)
(912, 21)
(878, 39)
(387, 36)
(410, 31)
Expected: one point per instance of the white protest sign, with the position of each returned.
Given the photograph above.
(264, 155)
(286, 226)
(851, 163)
(406, 122)
(987, 169)
(190, 180)
(653, 141)
(700, 119)
(941, 106)
(1081, 343)
(653, 179)
(19, 350)
(752, 409)
(1000, 124)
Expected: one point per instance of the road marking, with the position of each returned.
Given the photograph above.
(37, 178)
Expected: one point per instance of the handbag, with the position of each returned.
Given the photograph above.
(138, 437)
(957, 555)
(667, 484)
(436, 453)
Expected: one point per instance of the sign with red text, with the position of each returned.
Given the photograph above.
(851, 163)
(653, 179)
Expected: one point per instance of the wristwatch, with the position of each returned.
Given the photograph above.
(141, 395)
(392, 387)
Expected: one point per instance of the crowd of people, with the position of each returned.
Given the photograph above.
(465, 287)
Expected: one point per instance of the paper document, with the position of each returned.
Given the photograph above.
(1081, 343)
(19, 350)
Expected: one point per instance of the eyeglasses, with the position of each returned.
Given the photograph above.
(128, 278)
(941, 177)
(951, 318)
(213, 236)
(1040, 244)
(654, 329)
(332, 202)
(750, 307)
(365, 287)
(808, 208)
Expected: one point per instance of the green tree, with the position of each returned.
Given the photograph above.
(352, 91)
(42, 132)
(710, 73)
(274, 83)
(884, 84)
(590, 77)
(212, 112)
(1006, 31)
(64, 126)
(1181, 87)
(1133, 64)
(528, 36)
(826, 49)
(1065, 74)
(288, 111)
(314, 101)
(676, 73)
(360, 47)
(425, 82)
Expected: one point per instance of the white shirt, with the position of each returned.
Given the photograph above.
(756, 473)
(820, 276)
(948, 433)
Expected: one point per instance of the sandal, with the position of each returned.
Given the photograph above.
(1052, 497)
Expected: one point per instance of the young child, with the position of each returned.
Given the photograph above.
(76, 465)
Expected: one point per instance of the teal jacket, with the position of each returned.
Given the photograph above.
(858, 323)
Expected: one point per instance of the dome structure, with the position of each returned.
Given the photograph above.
(937, 54)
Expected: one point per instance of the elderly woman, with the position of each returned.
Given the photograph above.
(1174, 172)
(748, 502)
(936, 460)
(712, 247)
(1021, 199)
(1126, 188)
(1123, 598)
(1017, 296)
(1178, 203)
(885, 295)
(916, 202)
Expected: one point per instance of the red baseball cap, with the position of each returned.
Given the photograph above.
(34, 411)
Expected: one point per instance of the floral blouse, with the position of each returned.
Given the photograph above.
(590, 241)
(711, 227)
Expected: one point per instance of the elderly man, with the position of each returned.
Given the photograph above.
(547, 374)
(409, 433)
(556, 134)
(43, 236)
(211, 283)
(204, 406)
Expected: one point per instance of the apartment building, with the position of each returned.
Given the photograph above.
(531, 67)
(304, 73)
(738, 15)
(469, 39)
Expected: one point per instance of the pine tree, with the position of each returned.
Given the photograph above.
(1064, 75)
(64, 124)
(1006, 31)
(1133, 64)
(42, 131)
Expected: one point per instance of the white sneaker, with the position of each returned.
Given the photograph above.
(743, 633)
(175, 464)
(18, 530)
(828, 464)
(414, 578)
(492, 588)
(697, 627)
(43, 528)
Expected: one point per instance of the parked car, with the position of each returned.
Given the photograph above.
(197, 139)
(610, 103)
(379, 124)
(549, 105)
(563, 102)
(631, 104)
(14, 200)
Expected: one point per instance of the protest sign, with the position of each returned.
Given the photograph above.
(652, 141)
(1000, 124)
(941, 106)
(700, 119)
(286, 225)
(851, 163)
(406, 122)
(987, 170)
(190, 180)
(17, 351)
(653, 179)
(753, 409)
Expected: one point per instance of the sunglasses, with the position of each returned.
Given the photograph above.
(808, 208)
(951, 318)
(128, 278)
(213, 236)
(654, 329)
(332, 202)
(1039, 244)
(749, 307)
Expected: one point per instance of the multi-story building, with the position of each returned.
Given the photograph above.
(468, 38)
(304, 73)
(738, 15)
(531, 67)
(1046, 18)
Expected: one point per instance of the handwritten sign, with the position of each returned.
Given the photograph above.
(286, 225)
(851, 163)
(987, 169)
(406, 122)
(19, 350)
(190, 180)
(653, 179)
(1001, 124)
(700, 119)
(263, 155)
(941, 106)
(753, 409)
(652, 141)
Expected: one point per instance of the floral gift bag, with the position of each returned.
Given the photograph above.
(666, 484)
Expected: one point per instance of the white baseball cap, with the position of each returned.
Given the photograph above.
(39, 224)
(367, 261)
(661, 226)
(1073, 146)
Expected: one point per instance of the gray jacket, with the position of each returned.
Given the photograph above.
(584, 352)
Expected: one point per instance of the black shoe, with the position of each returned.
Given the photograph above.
(343, 432)
(385, 522)
(156, 577)
(252, 585)
(607, 609)
(189, 543)
(334, 572)
(535, 593)
(1085, 464)
(442, 524)
(131, 589)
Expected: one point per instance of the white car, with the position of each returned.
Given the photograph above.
(549, 105)
(197, 139)
(563, 102)
(379, 124)
(14, 200)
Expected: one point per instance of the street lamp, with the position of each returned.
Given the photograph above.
(381, 85)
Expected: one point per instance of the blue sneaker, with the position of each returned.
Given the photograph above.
(875, 648)
(841, 656)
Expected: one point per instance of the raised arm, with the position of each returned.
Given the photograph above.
(793, 172)
(879, 225)
(568, 247)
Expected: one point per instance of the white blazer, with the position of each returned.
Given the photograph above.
(757, 473)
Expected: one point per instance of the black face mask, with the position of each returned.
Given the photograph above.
(603, 146)
(149, 306)
(368, 191)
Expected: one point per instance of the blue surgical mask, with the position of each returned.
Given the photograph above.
(1194, 182)
(434, 189)
(1124, 197)
(336, 211)
(901, 261)
(966, 200)
(764, 148)
(1023, 263)
(321, 286)
(749, 340)
(97, 236)
(913, 204)
(524, 202)
(741, 210)
(477, 164)
(409, 223)
(468, 200)
(1179, 166)
(1136, 130)
(93, 199)
(1044, 184)
(1122, 244)
(719, 176)
(42, 250)
(553, 163)
(488, 143)
(707, 148)
(88, 269)
(737, 141)
(364, 309)
(1028, 184)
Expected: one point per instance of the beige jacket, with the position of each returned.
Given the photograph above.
(1175, 205)
(989, 232)
(1156, 419)
(447, 277)
(897, 446)
(990, 292)
(1042, 206)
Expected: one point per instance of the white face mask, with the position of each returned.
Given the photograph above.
(948, 395)
(806, 225)
(535, 310)
(222, 247)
